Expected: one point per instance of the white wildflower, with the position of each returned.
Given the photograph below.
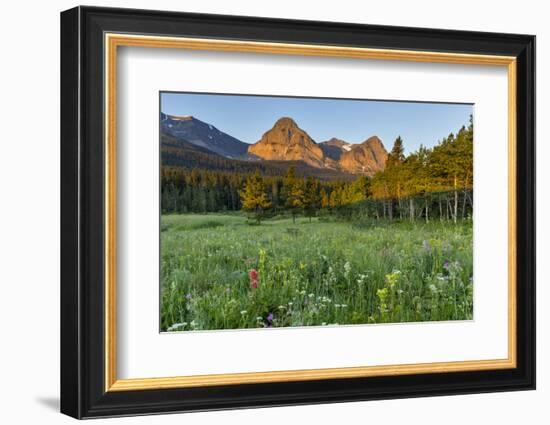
(177, 326)
(347, 268)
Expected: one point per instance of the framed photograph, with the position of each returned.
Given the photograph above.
(261, 212)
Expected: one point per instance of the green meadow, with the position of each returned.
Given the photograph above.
(220, 271)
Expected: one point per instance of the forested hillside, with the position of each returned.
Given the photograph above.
(427, 183)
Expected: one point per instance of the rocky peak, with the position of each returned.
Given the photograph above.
(367, 158)
(334, 148)
(288, 142)
(285, 122)
(336, 142)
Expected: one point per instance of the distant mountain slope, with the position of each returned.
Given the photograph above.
(181, 153)
(202, 134)
(189, 142)
(334, 148)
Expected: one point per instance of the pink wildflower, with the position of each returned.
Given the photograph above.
(253, 276)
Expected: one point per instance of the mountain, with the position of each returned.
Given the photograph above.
(189, 142)
(334, 148)
(365, 158)
(199, 133)
(286, 141)
(182, 154)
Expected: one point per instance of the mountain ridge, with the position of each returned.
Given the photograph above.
(284, 142)
(202, 134)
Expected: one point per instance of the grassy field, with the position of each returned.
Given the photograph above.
(219, 272)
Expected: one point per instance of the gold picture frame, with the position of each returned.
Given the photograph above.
(114, 41)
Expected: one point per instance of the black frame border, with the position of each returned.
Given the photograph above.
(82, 212)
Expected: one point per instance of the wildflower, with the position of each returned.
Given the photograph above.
(347, 268)
(269, 317)
(188, 297)
(253, 276)
(446, 265)
(177, 326)
(392, 278)
(362, 278)
(382, 294)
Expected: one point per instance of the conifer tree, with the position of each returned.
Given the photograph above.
(325, 200)
(295, 198)
(254, 198)
(312, 197)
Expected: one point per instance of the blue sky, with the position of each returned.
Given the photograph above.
(248, 117)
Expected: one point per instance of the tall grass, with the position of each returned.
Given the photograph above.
(316, 273)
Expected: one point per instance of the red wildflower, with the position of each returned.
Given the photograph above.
(253, 276)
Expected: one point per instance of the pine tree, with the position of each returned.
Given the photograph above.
(394, 171)
(295, 198)
(325, 200)
(254, 198)
(312, 197)
(397, 154)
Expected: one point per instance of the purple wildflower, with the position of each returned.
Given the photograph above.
(270, 317)
(446, 265)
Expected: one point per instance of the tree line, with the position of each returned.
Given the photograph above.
(430, 183)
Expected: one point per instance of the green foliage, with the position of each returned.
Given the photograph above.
(427, 184)
(312, 197)
(325, 273)
(294, 192)
(254, 198)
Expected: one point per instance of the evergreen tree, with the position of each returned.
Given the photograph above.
(295, 198)
(254, 198)
(312, 197)
(325, 202)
